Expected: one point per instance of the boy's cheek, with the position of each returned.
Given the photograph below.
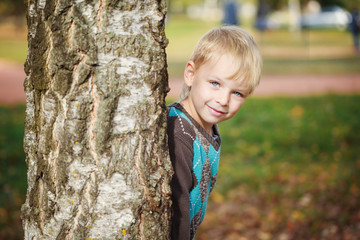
(237, 110)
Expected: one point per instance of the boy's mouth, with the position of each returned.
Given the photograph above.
(216, 112)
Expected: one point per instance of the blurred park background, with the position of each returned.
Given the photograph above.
(290, 164)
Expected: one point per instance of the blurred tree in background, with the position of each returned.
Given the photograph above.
(342, 3)
(12, 8)
(12, 11)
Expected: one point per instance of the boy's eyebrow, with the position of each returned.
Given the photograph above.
(215, 78)
(220, 79)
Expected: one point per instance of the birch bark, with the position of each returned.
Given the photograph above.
(95, 126)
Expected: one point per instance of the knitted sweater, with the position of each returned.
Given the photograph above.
(195, 158)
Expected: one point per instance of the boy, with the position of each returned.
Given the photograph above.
(224, 69)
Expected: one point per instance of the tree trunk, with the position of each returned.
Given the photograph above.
(95, 126)
(295, 15)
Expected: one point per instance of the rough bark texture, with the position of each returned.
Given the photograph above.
(95, 136)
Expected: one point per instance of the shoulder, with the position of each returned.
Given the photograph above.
(179, 126)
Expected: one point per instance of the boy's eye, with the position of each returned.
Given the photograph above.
(215, 84)
(238, 94)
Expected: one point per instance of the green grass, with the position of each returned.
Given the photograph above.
(12, 171)
(13, 50)
(298, 133)
(321, 66)
(11, 150)
(322, 38)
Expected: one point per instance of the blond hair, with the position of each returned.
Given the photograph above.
(238, 44)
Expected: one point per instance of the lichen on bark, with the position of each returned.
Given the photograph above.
(95, 135)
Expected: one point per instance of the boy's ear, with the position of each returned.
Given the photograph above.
(189, 73)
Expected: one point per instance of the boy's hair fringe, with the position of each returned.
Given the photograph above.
(236, 42)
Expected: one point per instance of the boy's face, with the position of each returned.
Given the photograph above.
(213, 97)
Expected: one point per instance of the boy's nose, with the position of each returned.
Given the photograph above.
(223, 99)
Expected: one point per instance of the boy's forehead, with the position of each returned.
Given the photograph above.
(224, 65)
